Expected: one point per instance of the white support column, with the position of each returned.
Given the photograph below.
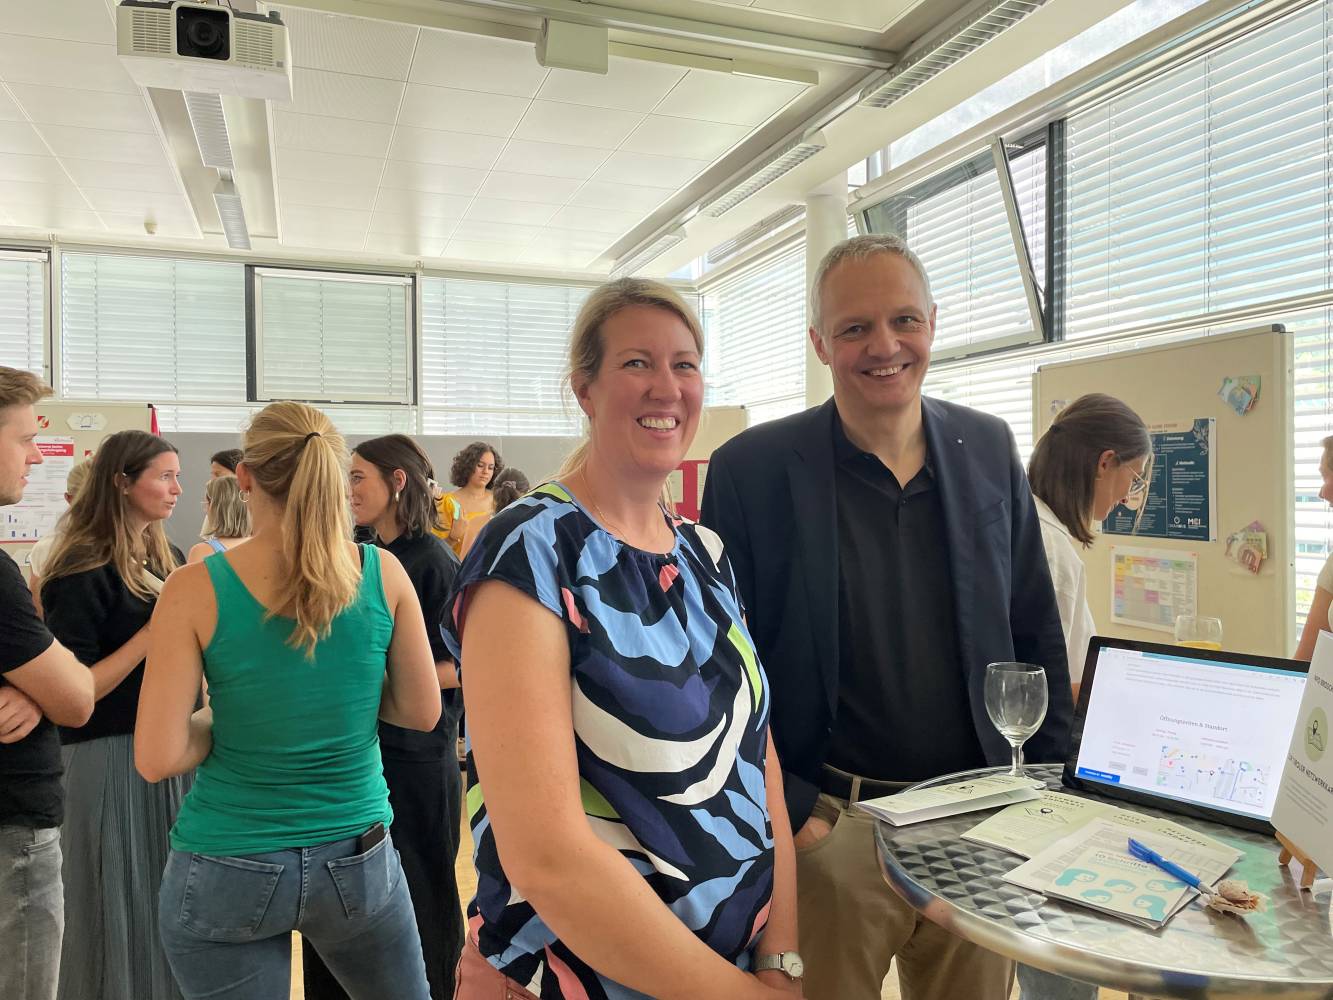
(825, 227)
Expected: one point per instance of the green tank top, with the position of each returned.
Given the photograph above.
(296, 756)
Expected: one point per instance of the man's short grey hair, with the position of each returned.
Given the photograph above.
(860, 248)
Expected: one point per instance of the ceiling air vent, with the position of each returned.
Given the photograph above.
(151, 31)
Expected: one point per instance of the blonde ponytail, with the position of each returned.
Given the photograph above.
(299, 459)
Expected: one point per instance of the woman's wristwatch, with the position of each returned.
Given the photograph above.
(788, 963)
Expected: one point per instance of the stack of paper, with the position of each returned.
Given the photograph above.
(951, 800)
(1092, 867)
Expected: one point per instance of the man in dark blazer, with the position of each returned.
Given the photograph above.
(887, 549)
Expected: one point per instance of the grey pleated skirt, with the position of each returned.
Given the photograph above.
(115, 845)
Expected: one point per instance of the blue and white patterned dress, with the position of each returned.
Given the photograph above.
(670, 709)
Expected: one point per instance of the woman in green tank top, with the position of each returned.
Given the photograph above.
(285, 828)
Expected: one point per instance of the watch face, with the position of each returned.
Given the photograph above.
(795, 967)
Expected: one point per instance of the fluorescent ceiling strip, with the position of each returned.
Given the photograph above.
(771, 224)
(964, 37)
(210, 129)
(785, 161)
(649, 252)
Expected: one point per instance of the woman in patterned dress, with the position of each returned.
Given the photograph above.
(623, 792)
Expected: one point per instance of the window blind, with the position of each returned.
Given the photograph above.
(333, 337)
(23, 310)
(152, 328)
(494, 355)
(1206, 188)
(755, 327)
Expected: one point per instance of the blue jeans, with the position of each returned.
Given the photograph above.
(32, 912)
(1040, 985)
(226, 923)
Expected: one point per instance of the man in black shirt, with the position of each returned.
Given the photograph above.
(887, 549)
(41, 683)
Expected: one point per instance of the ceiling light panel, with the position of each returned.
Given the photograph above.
(777, 166)
(648, 253)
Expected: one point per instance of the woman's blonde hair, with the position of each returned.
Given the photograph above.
(298, 458)
(77, 478)
(96, 530)
(587, 346)
(228, 516)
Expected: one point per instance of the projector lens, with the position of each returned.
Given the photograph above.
(203, 34)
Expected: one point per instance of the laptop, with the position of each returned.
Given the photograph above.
(1199, 732)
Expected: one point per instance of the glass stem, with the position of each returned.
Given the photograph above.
(1017, 769)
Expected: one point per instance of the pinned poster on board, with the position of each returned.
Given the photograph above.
(1151, 587)
(44, 497)
(1182, 498)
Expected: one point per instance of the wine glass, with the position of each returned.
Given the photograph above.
(1199, 632)
(1016, 704)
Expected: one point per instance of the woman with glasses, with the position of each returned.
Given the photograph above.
(1096, 455)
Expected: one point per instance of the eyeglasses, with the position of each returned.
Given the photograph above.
(1138, 485)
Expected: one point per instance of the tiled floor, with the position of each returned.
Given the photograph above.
(467, 884)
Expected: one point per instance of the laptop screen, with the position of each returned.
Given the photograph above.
(1187, 725)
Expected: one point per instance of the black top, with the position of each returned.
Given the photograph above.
(30, 792)
(94, 613)
(431, 566)
(903, 712)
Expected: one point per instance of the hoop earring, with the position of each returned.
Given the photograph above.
(396, 495)
(245, 496)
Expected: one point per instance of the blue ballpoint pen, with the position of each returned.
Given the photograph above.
(1144, 853)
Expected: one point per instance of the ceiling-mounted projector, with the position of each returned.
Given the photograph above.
(204, 48)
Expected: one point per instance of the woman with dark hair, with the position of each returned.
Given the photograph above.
(509, 486)
(306, 640)
(223, 463)
(473, 473)
(99, 590)
(391, 482)
(1095, 455)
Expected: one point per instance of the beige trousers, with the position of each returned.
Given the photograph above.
(852, 925)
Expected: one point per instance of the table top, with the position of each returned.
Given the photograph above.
(1286, 951)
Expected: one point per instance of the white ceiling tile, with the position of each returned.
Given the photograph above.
(631, 197)
(9, 111)
(82, 65)
(426, 204)
(874, 15)
(552, 239)
(550, 159)
(475, 62)
(461, 110)
(649, 171)
(306, 164)
(495, 232)
(684, 137)
(31, 169)
(342, 95)
(359, 45)
(596, 220)
(629, 85)
(323, 238)
(129, 176)
(485, 253)
(455, 149)
(737, 100)
(357, 197)
(529, 187)
(422, 227)
(557, 257)
(129, 201)
(58, 194)
(58, 217)
(411, 246)
(331, 135)
(547, 121)
(510, 212)
(99, 144)
(84, 108)
(75, 20)
(433, 177)
(20, 137)
(172, 224)
(312, 217)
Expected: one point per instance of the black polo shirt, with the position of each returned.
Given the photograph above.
(903, 712)
(431, 566)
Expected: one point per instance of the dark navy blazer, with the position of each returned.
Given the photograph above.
(770, 495)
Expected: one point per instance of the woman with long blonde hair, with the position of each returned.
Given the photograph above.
(226, 518)
(100, 585)
(286, 826)
(623, 791)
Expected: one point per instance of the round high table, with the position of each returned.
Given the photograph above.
(1286, 951)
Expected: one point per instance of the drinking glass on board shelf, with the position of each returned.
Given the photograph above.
(1198, 632)
(1016, 704)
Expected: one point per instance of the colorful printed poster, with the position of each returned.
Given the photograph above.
(1150, 587)
(1181, 501)
(44, 498)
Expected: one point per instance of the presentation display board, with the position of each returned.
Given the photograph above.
(69, 432)
(1222, 488)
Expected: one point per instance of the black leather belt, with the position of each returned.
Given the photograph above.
(853, 788)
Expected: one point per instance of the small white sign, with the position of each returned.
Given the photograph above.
(87, 421)
(1304, 810)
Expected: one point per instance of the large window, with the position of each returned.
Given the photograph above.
(152, 328)
(333, 337)
(23, 310)
(755, 324)
(493, 357)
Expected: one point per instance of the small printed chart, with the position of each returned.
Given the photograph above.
(1150, 587)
